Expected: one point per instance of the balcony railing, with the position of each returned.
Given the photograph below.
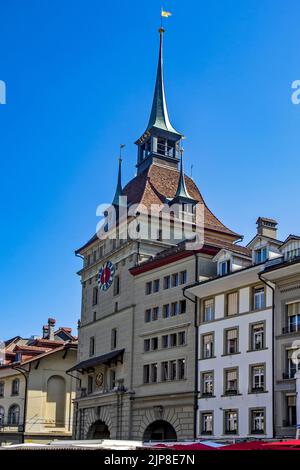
(206, 394)
(289, 374)
(231, 392)
(257, 389)
(293, 328)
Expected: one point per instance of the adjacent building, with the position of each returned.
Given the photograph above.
(35, 392)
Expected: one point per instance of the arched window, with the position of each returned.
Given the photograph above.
(14, 415)
(56, 400)
(2, 413)
(15, 387)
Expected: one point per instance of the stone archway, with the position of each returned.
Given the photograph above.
(98, 430)
(160, 430)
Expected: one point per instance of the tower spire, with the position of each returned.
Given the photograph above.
(118, 192)
(159, 117)
(182, 192)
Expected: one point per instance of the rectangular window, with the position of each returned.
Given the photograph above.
(92, 346)
(207, 346)
(90, 384)
(154, 344)
(175, 280)
(261, 255)
(146, 345)
(231, 421)
(172, 370)
(173, 340)
(258, 378)
(182, 306)
(181, 338)
(164, 371)
(224, 267)
(112, 379)
(1, 389)
(293, 317)
(174, 309)
(148, 315)
(257, 336)
(95, 296)
(231, 341)
(291, 410)
(207, 423)
(207, 383)
(257, 418)
(156, 285)
(155, 312)
(146, 378)
(232, 303)
(117, 285)
(209, 310)
(167, 281)
(181, 369)
(153, 373)
(183, 277)
(166, 311)
(165, 341)
(148, 288)
(231, 382)
(259, 300)
(114, 338)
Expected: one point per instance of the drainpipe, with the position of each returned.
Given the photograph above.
(273, 349)
(196, 347)
(24, 372)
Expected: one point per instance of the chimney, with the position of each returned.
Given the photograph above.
(45, 331)
(51, 325)
(267, 227)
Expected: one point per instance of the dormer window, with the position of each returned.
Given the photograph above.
(261, 255)
(224, 267)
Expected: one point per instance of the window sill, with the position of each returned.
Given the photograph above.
(257, 350)
(257, 392)
(207, 358)
(230, 395)
(230, 354)
(208, 395)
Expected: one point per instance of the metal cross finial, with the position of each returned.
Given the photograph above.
(121, 147)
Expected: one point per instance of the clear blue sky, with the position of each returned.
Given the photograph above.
(80, 76)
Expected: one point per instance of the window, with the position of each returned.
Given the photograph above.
(167, 282)
(292, 367)
(164, 371)
(207, 383)
(208, 346)
(153, 373)
(208, 310)
(175, 280)
(148, 315)
(257, 336)
(117, 285)
(181, 369)
(156, 285)
(259, 300)
(257, 418)
(15, 386)
(172, 370)
(183, 277)
(146, 345)
(165, 341)
(182, 306)
(261, 255)
(232, 303)
(293, 317)
(116, 306)
(224, 267)
(173, 340)
(174, 309)
(88, 260)
(94, 256)
(101, 252)
(258, 378)
(166, 311)
(114, 338)
(92, 346)
(148, 288)
(146, 374)
(291, 410)
(14, 415)
(206, 423)
(231, 341)
(95, 295)
(90, 384)
(94, 316)
(155, 312)
(2, 414)
(231, 421)
(181, 338)
(112, 379)
(154, 344)
(1, 389)
(231, 382)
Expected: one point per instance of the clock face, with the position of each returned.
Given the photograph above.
(106, 276)
(99, 379)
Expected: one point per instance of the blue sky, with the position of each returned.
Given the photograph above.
(80, 77)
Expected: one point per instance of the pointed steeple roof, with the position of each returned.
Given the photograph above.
(182, 192)
(118, 192)
(159, 117)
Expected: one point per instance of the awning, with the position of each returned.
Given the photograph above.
(112, 357)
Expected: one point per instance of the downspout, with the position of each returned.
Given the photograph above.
(273, 350)
(76, 408)
(196, 347)
(24, 372)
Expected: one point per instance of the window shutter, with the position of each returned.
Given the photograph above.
(232, 334)
(232, 303)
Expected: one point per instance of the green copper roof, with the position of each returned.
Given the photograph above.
(159, 117)
(118, 192)
(182, 191)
